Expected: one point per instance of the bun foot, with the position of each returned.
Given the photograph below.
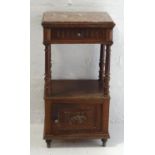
(104, 142)
(48, 142)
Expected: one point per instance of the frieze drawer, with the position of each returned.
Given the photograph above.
(76, 35)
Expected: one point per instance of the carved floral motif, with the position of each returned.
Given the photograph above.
(76, 117)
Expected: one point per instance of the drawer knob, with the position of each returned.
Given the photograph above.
(79, 34)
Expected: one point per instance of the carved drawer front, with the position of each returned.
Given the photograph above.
(75, 117)
(74, 35)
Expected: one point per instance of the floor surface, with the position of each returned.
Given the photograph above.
(78, 147)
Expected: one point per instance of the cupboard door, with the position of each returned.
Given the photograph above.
(76, 117)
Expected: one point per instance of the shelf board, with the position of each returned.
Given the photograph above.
(76, 89)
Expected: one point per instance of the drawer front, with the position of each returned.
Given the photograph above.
(78, 35)
(76, 117)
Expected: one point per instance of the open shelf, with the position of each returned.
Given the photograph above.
(82, 89)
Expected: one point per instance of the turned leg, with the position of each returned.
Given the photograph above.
(102, 63)
(106, 77)
(48, 142)
(48, 69)
(104, 141)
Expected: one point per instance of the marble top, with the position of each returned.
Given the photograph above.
(76, 17)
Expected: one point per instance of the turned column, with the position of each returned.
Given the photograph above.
(101, 63)
(48, 69)
(106, 77)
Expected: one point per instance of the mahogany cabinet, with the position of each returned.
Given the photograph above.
(77, 109)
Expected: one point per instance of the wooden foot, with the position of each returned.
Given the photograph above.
(104, 142)
(48, 142)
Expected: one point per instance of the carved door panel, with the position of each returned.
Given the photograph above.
(76, 117)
